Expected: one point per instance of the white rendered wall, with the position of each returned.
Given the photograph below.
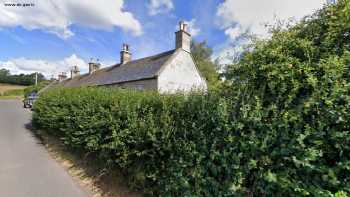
(181, 75)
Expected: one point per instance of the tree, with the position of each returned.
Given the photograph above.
(4, 72)
(202, 56)
(21, 79)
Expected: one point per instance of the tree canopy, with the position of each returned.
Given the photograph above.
(202, 56)
(21, 79)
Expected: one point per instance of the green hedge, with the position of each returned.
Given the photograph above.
(199, 145)
(282, 128)
(36, 88)
(166, 144)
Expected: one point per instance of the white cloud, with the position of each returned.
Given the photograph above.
(234, 32)
(236, 16)
(160, 6)
(192, 27)
(227, 53)
(48, 68)
(57, 16)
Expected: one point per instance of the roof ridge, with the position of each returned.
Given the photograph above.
(140, 59)
(143, 68)
(152, 56)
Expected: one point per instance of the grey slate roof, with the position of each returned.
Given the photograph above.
(145, 68)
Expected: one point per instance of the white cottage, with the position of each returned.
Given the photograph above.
(167, 72)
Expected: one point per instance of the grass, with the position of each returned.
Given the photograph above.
(9, 91)
(7, 87)
(10, 97)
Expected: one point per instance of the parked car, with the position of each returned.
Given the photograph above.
(30, 99)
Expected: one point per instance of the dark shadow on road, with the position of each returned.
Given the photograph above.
(86, 169)
(38, 138)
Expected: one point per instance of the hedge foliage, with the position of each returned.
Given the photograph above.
(292, 97)
(281, 128)
(169, 145)
(200, 145)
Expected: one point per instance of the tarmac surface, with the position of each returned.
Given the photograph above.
(26, 168)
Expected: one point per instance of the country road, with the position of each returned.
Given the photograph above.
(26, 169)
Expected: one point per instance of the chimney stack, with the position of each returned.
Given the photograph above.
(62, 76)
(183, 38)
(125, 55)
(93, 67)
(74, 72)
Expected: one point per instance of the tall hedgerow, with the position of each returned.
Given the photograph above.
(293, 94)
(280, 129)
(167, 145)
(203, 145)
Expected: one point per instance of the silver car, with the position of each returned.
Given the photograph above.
(30, 99)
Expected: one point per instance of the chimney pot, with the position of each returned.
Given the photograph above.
(182, 25)
(75, 72)
(125, 55)
(93, 67)
(183, 38)
(62, 76)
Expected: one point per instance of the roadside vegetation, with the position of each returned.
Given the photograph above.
(278, 126)
(11, 91)
(36, 88)
(21, 79)
(17, 86)
(202, 56)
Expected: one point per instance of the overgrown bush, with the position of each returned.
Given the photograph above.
(293, 105)
(201, 145)
(169, 145)
(282, 128)
(36, 88)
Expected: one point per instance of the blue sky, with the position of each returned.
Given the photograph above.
(52, 36)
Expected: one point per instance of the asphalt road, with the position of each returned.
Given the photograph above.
(26, 169)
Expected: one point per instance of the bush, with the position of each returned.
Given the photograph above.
(36, 88)
(157, 140)
(282, 128)
(199, 145)
(293, 108)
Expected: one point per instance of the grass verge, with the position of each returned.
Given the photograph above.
(85, 170)
(10, 97)
(8, 87)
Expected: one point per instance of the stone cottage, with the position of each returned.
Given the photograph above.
(167, 72)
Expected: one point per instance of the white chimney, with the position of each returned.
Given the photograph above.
(62, 76)
(125, 55)
(74, 72)
(183, 38)
(93, 67)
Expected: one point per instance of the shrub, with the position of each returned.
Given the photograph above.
(282, 128)
(157, 140)
(199, 145)
(36, 88)
(293, 108)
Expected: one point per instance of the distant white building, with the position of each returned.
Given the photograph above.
(167, 72)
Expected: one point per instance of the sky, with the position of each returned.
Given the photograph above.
(51, 36)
